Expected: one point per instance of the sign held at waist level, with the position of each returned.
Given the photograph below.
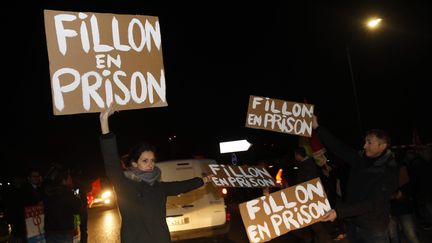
(292, 208)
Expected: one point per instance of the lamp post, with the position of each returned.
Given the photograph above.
(353, 83)
(372, 24)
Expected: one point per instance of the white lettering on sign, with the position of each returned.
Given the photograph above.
(279, 115)
(238, 176)
(101, 59)
(149, 85)
(148, 33)
(269, 216)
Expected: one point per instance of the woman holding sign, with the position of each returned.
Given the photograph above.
(141, 196)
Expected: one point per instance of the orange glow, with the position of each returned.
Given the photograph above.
(279, 177)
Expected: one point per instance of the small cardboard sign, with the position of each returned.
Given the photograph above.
(240, 176)
(34, 221)
(280, 116)
(295, 207)
(99, 58)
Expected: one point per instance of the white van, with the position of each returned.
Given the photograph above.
(199, 213)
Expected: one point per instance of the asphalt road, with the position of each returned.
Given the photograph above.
(104, 226)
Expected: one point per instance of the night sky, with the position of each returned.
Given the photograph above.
(215, 55)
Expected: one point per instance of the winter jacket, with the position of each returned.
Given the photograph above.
(307, 170)
(370, 185)
(60, 206)
(142, 206)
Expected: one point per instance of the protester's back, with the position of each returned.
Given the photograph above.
(60, 206)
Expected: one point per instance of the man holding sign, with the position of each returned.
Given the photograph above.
(373, 178)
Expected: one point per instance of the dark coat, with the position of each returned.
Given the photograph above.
(307, 170)
(60, 206)
(370, 186)
(142, 206)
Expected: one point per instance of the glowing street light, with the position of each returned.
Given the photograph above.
(373, 23)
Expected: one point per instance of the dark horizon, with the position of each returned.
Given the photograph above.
(215, 56)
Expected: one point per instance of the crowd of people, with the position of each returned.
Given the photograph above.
(49, 196)
(376, 194)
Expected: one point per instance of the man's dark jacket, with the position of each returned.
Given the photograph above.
(371, 183)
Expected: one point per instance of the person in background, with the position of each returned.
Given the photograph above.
(32, 190)
(402, 222)
(373, 179)
(334, 177)
(141, 196)
(60, 206)
(308, 170)
(419, 165)
(84, 186)
(22, 195)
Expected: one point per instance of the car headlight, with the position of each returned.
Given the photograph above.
(106, 194)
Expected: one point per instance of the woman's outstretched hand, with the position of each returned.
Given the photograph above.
(103, 117)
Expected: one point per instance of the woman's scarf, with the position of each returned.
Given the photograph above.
(149, 177)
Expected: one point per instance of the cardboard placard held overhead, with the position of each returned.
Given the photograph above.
(280, 116)
(292, 208)
(240, 176)
(100, 58)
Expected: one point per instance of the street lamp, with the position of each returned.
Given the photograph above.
(372, 24)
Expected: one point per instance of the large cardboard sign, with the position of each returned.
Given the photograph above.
(295, 207)
(240, 176)
(280, 116)
(100, 58)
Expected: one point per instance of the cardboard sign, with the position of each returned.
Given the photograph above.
(280, 116)
(99, 58)
(240, 176)
(34, 221)
(295, 207)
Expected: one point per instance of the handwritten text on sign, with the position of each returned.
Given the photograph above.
(97, 59)
(268, 217)
(240, 176)
(280, 116)
(34, 221)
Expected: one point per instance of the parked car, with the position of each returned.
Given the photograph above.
(200, 213)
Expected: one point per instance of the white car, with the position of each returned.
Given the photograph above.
(200, 213)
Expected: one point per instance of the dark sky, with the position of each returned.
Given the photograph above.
(216, 54)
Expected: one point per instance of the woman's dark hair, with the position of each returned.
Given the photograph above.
(135, 152)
